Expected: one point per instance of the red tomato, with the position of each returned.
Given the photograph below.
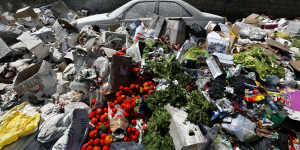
(151, 87)
(118, 93)
(97, 141)
(123, 96)
(102, 141)
(126, 114)
(133, 137)
(137, 86)
(121, 53)
(137, 132)
(126, 88)
(144, 126)
(114, 110)
(105, 110)
(188, 87)
(90, 147)
(98, 111)
(90, 142)
(125, 138)
(93, 134)
(94, 120)
(129, 130)
(132, 86)
(104, 117)
(111, 104)
(92, 114)
(93, 101)
(105, 147)
(103, 135)
(136, 69)
(84, 146)
(133, 121)
(97, 148)
(121, 87)
(108, 140)
(133, 104)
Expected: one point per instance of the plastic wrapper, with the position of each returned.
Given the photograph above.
(217, 43)
(126, 146)
(118, 123)
(20, 121)
(202, 82)
(185, 46)
(53, 128)
(176, 31)
(241, 127)
(102, 67)
(69, 72)
(251, 32)
(75, 134)
(134, 52)
(4, 49)
(36, 81)
(115, 40)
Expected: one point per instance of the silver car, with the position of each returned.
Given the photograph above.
(144, 10)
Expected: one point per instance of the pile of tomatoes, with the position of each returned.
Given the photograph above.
(100, 137)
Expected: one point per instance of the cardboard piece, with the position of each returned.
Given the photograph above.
(254, 20)
(157, 24)
(38, 79)
(120, 70)
(176, 31)
(115, 40)
(45, 34)
(295, 65)
(277, 45)
(4, 49)
(35, 45)
(29, 40)
(109, 52)
(25, 12)
(60, 32)
(214, 66)
(180, 131)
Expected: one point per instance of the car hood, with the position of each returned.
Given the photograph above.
(92, 20)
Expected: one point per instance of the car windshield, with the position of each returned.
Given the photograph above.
(119, 10)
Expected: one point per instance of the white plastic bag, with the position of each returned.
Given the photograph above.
(134, 52)
(241, 127)
(217, 43)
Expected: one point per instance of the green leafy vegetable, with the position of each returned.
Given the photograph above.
(157, 134)
(263, 65)
(199, 109)
(194, 52)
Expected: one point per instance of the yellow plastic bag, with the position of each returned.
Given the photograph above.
(17, 125)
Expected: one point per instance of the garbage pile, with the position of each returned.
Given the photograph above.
(147, 86)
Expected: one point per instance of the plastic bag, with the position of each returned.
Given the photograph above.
(118, 122)
(17, 124)
(217, 43)
(101, 65)
(53, 128)
(76, 132)
(241, 127)
(126, 146)
(21, 143)
(134, 52)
